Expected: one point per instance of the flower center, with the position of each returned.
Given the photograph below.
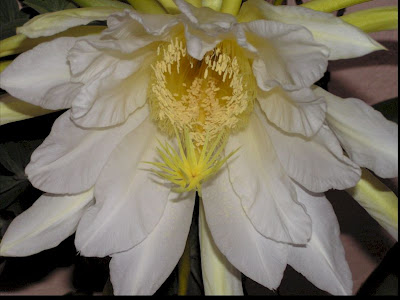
(201, 102)
(206, 97)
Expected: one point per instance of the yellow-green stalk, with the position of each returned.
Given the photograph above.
(378, 200)
(148, 6)
(231, 6)
(213, 4)
(20, 43)
(374, 19)
(331, 5)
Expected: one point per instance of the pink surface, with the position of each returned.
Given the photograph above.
(373, 77)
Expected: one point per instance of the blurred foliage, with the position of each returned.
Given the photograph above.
(45, 6)
(389, 108)
(11, 17)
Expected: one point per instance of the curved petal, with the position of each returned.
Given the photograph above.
(50, 220)
(204, 27)
(317, 163)
(294, 112)
(56, 22)
(61, 96)
(144, 268)
(369, 139)
(287, 55)
(131, 30)
(259, 258)
(322, 261)
(342, 39)
(103, 76)
(266, 192)
(35, 72)
(130, 200)
(71, 158)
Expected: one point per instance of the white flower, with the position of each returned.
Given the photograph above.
(204, 73)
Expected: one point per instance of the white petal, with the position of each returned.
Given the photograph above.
(259, 258)
(369, 139)
(317, 163)
(204, 27)
(266, 192)
(106, 77)
(129, 31)
(144, 268)
(130, 200)
(71, 158)
(287, 55)
(294, 112)
(59, 21)
(322, 261)
(342, 39)
(35, 72)
(50, 220)
(220, 277)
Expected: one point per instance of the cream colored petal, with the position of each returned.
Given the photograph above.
(287, 55)
(103, 77)
(220, 277)
(322, 261)
(343, 40)
(20, 43)
(33, 73)
(131, 30)
(144, 268)
(259, 258)
(204, 28)
(317, 163)
(13, 109)
(130, 199)
(298, 112)
(59, 21)
(50, 220)
(369, 139)
(266, 192)
(71, 158)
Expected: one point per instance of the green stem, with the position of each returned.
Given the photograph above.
(98, 3)
(148, 6)
(331, 5)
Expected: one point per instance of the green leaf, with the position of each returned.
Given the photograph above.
(15, 156)
(7, 183)
(10, 196)
(46, 6)
(10, 18)
(389, 108)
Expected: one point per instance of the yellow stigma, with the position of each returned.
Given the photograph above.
(189, 169)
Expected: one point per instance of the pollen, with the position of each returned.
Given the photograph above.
(208, 96)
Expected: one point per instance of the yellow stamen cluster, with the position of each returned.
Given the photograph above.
(210, 95)
(189, 169)
(202, 100)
